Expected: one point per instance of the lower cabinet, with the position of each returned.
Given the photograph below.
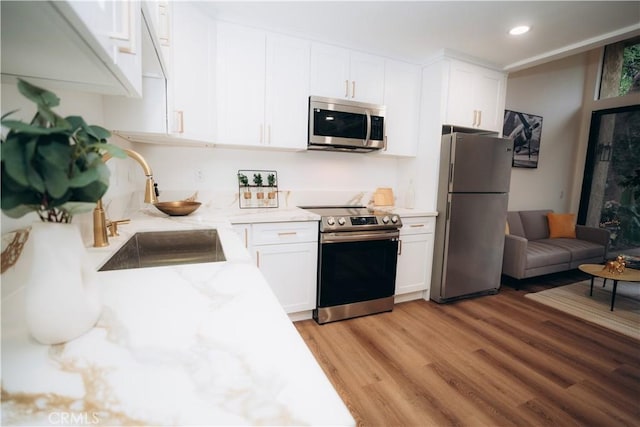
(415, 255)
(286, 253)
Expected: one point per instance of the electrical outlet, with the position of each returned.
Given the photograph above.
(199, 175)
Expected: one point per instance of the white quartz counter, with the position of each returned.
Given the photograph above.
(201, 344)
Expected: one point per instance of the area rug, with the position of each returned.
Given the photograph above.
(574, 299)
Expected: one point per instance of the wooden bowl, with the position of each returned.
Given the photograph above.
(180, 208)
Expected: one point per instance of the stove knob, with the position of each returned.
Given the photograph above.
(341, 221)
(331, 221)
(394, 219)
(385, 220)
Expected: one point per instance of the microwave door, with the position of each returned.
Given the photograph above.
(338, 127)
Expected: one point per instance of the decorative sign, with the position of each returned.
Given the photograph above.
(525, 130)
(257, 189)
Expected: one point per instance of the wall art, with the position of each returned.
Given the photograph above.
(525, 130)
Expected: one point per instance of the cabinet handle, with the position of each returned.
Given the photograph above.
(399, 247)
(417, 225)
(346, 88)
(258, 259)
(479, 117)
(246, 238)
(179, 124)
(287, 233)
(475, 115)
(353, 89)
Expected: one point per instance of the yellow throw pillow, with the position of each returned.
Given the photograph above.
(562, 225)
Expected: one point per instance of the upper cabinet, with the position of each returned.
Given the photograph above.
(101, 39)
(262, 88)
(475, 96)
(344, 74)
(402, 99)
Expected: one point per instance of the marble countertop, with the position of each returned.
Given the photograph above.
(201, 344)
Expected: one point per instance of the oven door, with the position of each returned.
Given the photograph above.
(356, 267)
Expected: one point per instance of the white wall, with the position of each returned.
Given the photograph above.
(191, 169)
(555, 92)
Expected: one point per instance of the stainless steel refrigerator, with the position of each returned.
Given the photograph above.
(473, 191)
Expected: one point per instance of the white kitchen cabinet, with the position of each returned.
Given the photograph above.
(101, 40)
(262, 88)
(475, 96)
(287, 254)
(415, 255)
(344, 74)
(402, 99)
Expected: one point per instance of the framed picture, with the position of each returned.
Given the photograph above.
(257, 189)
(525, 130)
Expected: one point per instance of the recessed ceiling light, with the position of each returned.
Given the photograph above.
(521, 29)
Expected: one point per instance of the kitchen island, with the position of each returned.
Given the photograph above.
(199, 344)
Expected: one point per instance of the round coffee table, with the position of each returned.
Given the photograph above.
(599, 270)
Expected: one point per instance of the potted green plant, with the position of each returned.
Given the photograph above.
(52, 165)
(271, 183)
(244, 182)
(257, 180)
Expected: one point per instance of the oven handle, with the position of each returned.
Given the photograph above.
(359, 236)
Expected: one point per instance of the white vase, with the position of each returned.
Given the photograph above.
(61, 293)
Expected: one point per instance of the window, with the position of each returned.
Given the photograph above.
(621, 69)
(611, 186)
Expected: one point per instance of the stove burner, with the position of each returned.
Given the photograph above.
(352, 218)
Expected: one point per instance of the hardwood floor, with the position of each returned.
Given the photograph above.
(497, 360)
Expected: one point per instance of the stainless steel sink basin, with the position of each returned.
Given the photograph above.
(158, 248)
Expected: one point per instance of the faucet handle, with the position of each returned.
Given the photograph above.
(112, 226)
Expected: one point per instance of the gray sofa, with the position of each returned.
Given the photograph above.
(529, 252)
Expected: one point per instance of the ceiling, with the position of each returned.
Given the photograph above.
(415, 31)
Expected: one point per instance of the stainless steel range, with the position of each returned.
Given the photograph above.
(357, 260)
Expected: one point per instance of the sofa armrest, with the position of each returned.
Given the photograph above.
(514, 260)
(593, 234)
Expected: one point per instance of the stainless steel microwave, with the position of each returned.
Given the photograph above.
(341, 125)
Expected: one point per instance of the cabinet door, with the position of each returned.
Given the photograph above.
(190, 79)
(489, 95)
(287, 92)
(415, 255)
(367, 78)
(240, 85)
(460, 99)
(116, 26)
(290, 270)
(244, 233)
(329, 71)
(402, 99)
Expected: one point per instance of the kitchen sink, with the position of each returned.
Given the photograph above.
(159, 248)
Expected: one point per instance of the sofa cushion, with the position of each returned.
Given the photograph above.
(579, 249)
(535, 224)
(515, 224)
(561, 225)
(542, 253)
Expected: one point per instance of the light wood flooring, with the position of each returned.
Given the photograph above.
(497, 360)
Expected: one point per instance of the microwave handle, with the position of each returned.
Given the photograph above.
(366, 138)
